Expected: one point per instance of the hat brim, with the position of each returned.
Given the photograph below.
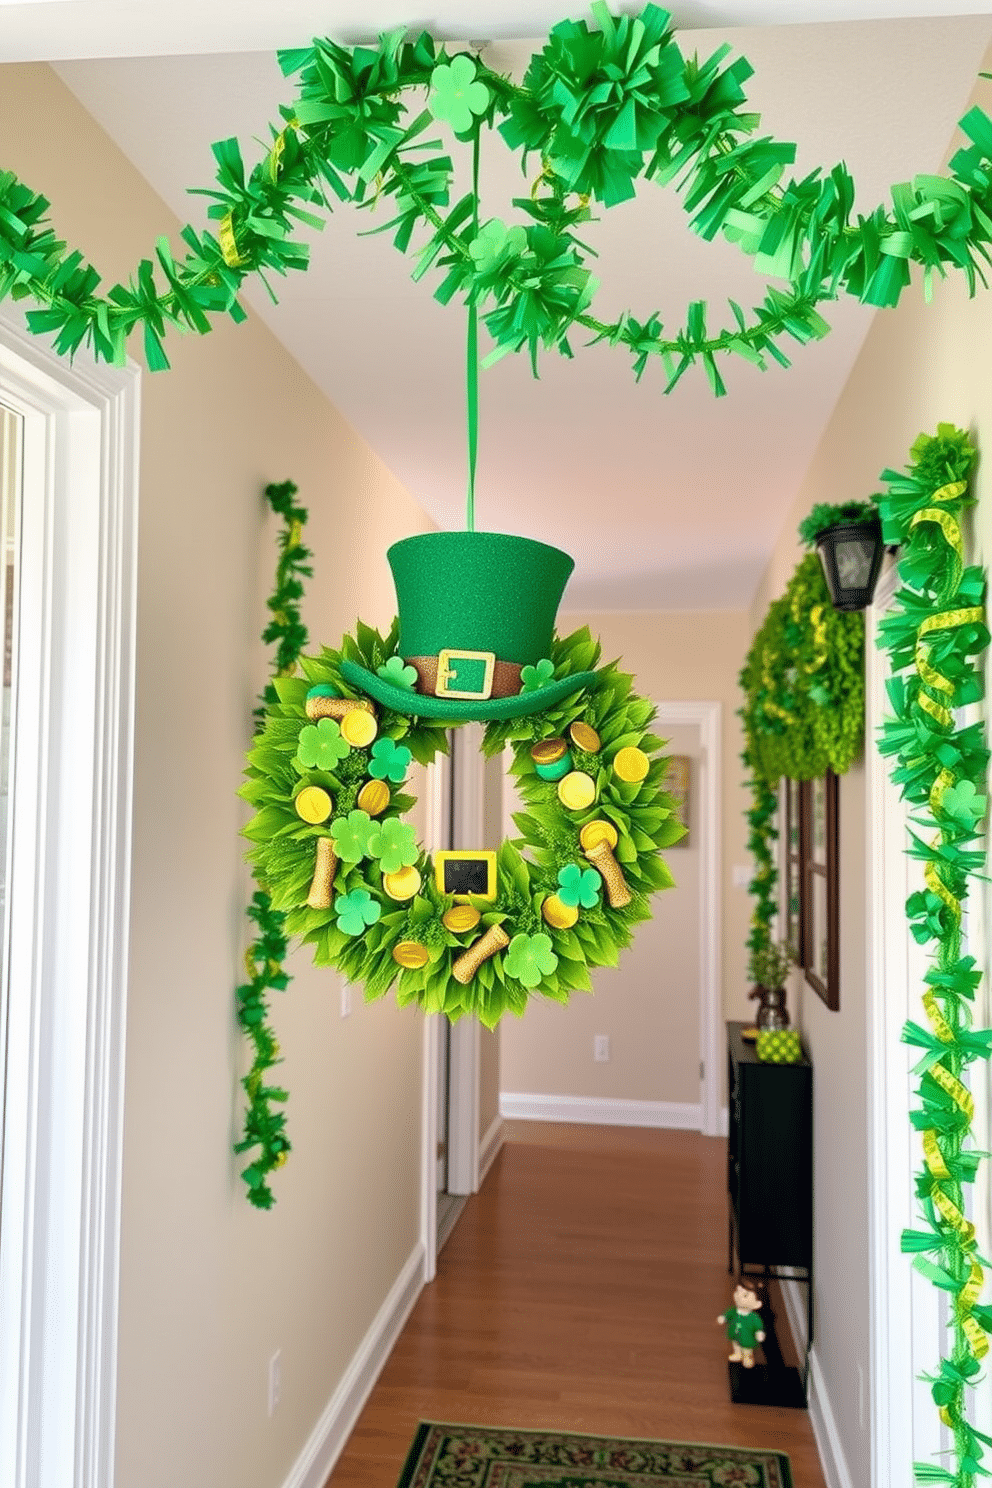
(464, 710)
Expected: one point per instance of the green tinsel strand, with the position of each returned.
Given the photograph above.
(264, 1126)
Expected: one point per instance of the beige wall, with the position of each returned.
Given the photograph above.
(673, 657)
(209, 1287)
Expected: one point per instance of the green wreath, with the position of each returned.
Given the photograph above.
(353, 883)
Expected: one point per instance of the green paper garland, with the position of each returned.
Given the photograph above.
(362, 926)
(264, 1126)
(600, 108)
(933, 635)
(803, 713)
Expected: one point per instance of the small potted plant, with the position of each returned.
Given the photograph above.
(848, 538)
(770, 966)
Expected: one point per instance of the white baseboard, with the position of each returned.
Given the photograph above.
(489, 1147)
(598, 1111)
(821, 1416)
(314, 1464)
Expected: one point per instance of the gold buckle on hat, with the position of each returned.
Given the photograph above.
(446, 672)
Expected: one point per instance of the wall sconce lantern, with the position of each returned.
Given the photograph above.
(851, 554)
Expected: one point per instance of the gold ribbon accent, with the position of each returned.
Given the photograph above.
(940, 785)
(976, 1337)
(951, 619)
(229, 243)
(295, 534)
(936, 710)
(942, 1029)
(946, 1417)
(950, 492)
(767, 657)
(952, 1215)
(937, 886)
(952, 1086)
(971, 1291)
(933, 1155)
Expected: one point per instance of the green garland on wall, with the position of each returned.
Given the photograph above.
(600, 108)
(933, 634)
(803, 713)
(264, 1126)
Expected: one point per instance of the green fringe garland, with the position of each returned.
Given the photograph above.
(264, 1126)
(601, 107)
(933, 635)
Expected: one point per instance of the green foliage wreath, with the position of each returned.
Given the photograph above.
(600, 108)
(365, 933)
(803, 713)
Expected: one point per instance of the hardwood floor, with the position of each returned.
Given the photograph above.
(579, 1291)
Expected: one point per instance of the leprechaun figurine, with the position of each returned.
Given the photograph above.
(743, 1323)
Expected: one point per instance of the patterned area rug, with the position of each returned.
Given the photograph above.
(445, 1456)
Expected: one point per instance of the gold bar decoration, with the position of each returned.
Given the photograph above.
(335, 707)
(495, 939)
(319, 896)
(617, 890)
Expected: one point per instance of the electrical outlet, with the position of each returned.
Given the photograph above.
(601, 1048)
(275, 1380)
(346, 999)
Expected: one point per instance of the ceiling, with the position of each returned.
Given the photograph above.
(664, 502)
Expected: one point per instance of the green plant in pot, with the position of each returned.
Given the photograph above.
(848, 538)
(770, 966)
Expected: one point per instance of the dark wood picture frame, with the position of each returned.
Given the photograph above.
(792, 868)
(820, 893)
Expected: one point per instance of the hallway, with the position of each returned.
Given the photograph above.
(579, 1291)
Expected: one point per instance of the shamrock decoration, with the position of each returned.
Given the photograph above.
(352, 834)
(530, 958)
(321, 746)
(456, 97)
(356, 911)
(533, 678)
(495, 242)
(578, 887)
(390, 761)
(394, 843)
(963, 804)
(396, 671)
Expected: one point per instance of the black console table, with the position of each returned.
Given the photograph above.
(770, 1182)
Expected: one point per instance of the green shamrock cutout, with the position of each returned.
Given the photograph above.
(578, 887)
(356, 911)
(390, 761)
(533, 678)
(496, 242)
(529, 959)
(321, 746)
(394, 843)
(456, 96)
(351, 835)
(398, 674)
(963, 804)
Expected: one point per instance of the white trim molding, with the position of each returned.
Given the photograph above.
(707, 716)
(66, 933)
(337, 1420)
(489, 1147)
(600, 1111)
(836, 1471)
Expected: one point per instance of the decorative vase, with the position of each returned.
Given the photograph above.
(772, 1011)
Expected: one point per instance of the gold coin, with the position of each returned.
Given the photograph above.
(548, 751)
(584, 737)
(595, 832)
(410, 954)
(359, 727)
(577, 791)
(373, 797)
(313, 804)
(631, 765)
(460, 918)
(559, 916)
(402, 885)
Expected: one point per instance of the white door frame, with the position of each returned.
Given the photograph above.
(707, 717)
(905, 1310)
(62, 1014)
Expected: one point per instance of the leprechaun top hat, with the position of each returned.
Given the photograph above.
(475, 608)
